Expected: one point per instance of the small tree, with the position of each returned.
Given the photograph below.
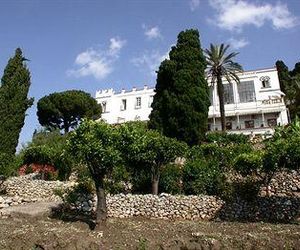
(150, 149)
(94, 145)
(65, 110)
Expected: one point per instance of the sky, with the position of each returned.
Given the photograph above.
(98, 44)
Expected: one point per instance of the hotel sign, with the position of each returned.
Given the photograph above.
(272, 100)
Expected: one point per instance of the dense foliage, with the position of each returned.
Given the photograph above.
(41, 155)
(180, 105)
(9, 164)
(14, 102)
(225, 138)
(65, 110)
(54, 144)
(150, 149)
(290, 85)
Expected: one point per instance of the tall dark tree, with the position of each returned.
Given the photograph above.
(283, 75)
(221, 65)
(14, 102)
(65, 110)
(290, 85)
(180, 105)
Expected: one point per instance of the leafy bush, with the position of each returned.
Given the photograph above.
(55, 143)
(118, 181)
(226, 138)
(248, 163)
(71, 195)
(201, 177)
(141, 181)
(171, 179)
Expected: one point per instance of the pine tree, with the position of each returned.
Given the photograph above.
(14, 102)
(180, 105)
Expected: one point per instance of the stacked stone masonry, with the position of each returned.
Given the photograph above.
(282, 204)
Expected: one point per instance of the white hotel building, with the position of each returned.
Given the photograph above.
(254, 106)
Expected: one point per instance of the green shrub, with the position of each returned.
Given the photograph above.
(201, 177)
(141, 181)
(195, 152)
(292, 148)
(55, 144)
(216, 153)
(226, 138)
(171, 179)
(248, 163)
(117, 180)
(282, 153)
(71, 195)
(38, 154)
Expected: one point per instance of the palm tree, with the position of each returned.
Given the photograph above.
(220, 65)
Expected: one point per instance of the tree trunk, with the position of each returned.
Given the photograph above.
(155, 181)
(220, 88)
(101, 210)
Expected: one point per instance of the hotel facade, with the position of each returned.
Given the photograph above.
(254, 106)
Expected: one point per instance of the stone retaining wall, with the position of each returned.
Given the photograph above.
(31, 187)
(282, 205)
(163, 206)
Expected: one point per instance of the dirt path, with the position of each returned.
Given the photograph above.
(32, 232)
(36, 209)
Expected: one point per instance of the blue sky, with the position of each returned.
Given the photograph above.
(90, 45)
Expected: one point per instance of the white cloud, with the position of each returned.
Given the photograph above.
(116, 44)
(194, 4)
(152, 33)
(233, 15)
(150, 60)
(97, 63)
(238, 43)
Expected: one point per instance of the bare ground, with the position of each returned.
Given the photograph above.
(29, 232)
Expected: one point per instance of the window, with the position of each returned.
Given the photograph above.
(272, 122)
(246, 91)
(249, 124)
(104, 106)
(228, 125)
(228, 93)
(265, 82)
(123, 104)
(150, 101)
(211, 97)
(138, 102)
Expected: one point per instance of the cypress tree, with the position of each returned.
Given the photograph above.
(14, 102)
(180, 105)
(283, 75)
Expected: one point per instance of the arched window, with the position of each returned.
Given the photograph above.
(265, 82)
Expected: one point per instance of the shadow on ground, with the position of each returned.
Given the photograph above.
(61, 213)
